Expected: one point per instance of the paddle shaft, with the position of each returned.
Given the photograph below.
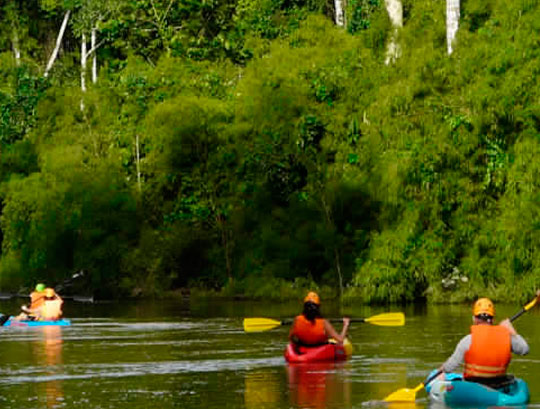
(334, 320)
(517, 315)
(80, 298)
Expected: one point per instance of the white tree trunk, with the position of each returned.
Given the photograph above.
(138, 163)
(16, 50)
(340, 15)
(452, 22)
(94, 56)
(52, 59)
(84, 56)
(395, 12)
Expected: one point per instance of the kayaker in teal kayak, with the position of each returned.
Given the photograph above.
(487, 350)
(45, 305)
(311, 329)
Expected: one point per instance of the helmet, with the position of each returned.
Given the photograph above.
(49, 292)
(40, 287)
(484, 306)
(312, 297)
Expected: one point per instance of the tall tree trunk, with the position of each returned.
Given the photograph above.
(94, 56)
(452, 22)
(54, 54)
(339, 13)
(395, 11)
(337, 261)
(16, 49)
(138, 163)
(84, 56)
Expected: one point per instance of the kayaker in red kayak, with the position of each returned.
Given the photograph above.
(487, 350)
(311, 329)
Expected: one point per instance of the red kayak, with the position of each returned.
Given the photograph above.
(324, 353)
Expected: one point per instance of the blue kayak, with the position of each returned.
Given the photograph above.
(454, 391)
(11, 322)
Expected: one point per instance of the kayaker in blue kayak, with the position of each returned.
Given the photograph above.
(487, 350)
(45, 305)
(311, 329)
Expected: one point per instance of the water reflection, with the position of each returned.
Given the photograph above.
(319, 385)
(262, 390)
(48, 353)
(405, 405)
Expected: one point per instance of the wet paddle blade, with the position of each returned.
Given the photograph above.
(260, 324)
(531, 304)
(402, 395)
(81, 298)
(390, 319)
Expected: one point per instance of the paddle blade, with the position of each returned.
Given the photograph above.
(81, 298)
(260, 324)
(531, 304)
(390, 319)
(402, 395)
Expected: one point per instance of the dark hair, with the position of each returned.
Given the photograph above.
(485, 317)
(311, 311)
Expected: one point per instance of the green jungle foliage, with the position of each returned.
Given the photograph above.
(253, 148)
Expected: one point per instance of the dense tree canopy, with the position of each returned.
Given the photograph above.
(256, 148)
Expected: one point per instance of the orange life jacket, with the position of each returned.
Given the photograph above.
(36, 299)
(51, 310)
(490, 351)
(309, 333)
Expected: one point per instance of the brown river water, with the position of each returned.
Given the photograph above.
(194, 354)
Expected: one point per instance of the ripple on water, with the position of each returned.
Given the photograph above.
(28, 374)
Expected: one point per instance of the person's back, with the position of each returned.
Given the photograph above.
(51, 310)
(308, 332)
(489, 353)
(37, 298)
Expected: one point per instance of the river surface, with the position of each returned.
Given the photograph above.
(194, 354)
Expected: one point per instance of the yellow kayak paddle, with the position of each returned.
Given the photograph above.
(409, 395)
(390, 319)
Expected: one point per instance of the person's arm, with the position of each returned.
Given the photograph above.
(519, 345)
(458, 357)
(30, 310)
(332, 333)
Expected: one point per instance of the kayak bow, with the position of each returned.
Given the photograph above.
(454, 391)
(324, 353)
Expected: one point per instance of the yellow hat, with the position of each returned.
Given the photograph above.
(49, 292)
(312, 297)
(484, 306)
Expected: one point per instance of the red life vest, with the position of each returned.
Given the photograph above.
(490, 351)
(309, 333)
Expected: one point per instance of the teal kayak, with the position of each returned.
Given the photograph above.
(454, 391)
(11, 322)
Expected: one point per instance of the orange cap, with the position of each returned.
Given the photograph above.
(312, 297)
(484, 306)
